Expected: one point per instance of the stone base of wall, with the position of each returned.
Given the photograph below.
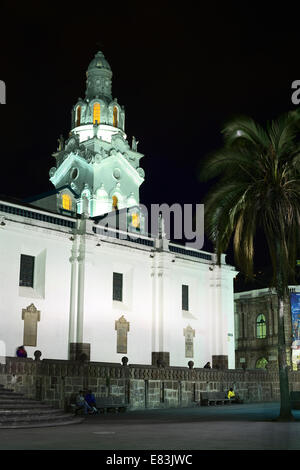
(220, 362)
(161, 359)
(80, 351)
(139, 386)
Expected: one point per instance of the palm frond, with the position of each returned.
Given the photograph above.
(258, 185)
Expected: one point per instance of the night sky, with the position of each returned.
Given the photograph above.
(180, 71)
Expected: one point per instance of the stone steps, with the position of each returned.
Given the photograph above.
(18, 411)
(9, 395)
(22, 406)
(58, 420)
(23, 412)
(33, 418)
(18, 401)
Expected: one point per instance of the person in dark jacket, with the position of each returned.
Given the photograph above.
(82, 403)
(21, 352)
(91, 401)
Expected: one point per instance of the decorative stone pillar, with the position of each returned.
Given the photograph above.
(37, 355)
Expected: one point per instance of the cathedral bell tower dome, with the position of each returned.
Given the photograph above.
(98, 108)
(96, 161)
(99, 75)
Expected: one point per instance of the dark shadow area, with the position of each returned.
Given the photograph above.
(229, 412)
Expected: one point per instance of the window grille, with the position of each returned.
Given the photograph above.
(26, 271)
(185, 297)
(118, 286)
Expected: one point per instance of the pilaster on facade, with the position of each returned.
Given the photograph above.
(73, 292)
(160, 293)
(77, 286)
(221, 324)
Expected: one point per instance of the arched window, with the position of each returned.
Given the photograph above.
(135, 220)
(78, 116)
(261, 327)
(66, 202)
(96, 113)
(115, 117)
(115, 202)
(261, 363)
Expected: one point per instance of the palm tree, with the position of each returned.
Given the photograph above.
(258, 188)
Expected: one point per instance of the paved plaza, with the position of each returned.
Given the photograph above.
(228, 427)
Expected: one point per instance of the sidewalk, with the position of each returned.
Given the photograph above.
(229, 427)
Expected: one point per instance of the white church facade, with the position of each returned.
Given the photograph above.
(69, 287)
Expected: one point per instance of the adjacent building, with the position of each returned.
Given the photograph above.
(256, 328)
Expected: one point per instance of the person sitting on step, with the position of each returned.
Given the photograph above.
(82, 403)
(233, 397)
(91, 400)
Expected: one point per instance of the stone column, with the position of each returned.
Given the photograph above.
(80, 350)
(73, 292)
(80, 292)
(158, 295)
(218, 327)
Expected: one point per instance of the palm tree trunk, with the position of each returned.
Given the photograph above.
(281, 288)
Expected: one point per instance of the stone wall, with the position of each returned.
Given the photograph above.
(140, 386)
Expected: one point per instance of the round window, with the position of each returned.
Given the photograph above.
(74, 173)
(117, 173)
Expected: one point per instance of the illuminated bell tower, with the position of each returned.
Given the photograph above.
(96, 161)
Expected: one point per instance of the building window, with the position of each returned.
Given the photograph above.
(118, 287)
(115, 202)
(26, 271)
(185, 297)
(261, 363)
(66, 202)
(74, 173)
(115, 117)
(135, 220)
(261, 327)
(78, 116)
(96, 113)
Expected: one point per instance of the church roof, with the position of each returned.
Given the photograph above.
(26, 204)
(37, 197)
(99, 62)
